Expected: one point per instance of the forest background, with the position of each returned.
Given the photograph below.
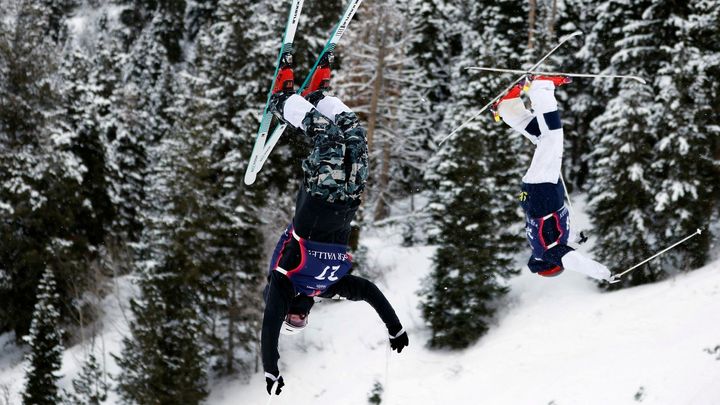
(126, 126)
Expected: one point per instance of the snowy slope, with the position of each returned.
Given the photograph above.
(558, 341)
(113, 327)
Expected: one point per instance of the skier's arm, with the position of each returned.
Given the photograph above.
(359, 289)
(277, 304)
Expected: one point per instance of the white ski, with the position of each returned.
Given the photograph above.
(286, 48)
(337, 33)
(487, 69)
(502, 93)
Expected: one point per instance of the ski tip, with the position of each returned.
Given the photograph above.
(699, 231)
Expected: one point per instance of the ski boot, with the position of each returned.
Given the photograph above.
(514, 92)
(284, 86)
(320, 80)
(557, 80)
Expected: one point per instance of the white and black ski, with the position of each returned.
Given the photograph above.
(502, 93)
(286, 51)
(259, 156)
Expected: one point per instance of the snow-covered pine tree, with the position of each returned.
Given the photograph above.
(140, 119)
(479, 176)
(702, 29)
(682, 161)
(83, 105)
(212, 202)
(199, 14)
(624, 137)
(163, 362)
(57, 13)
(585, 98)
(45, 340)
(91, 386)
(432, 44)
(234, 67)
(40, 175)
(168, 18)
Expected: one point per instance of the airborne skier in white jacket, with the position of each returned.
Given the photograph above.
(542, 197)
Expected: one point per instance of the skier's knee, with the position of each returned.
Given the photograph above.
(332, 108)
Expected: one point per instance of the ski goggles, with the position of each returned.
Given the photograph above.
(297, 320)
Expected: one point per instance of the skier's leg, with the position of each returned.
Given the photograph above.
(324, 169)
(355, 136)
(324, 173)
(547, 159)
(576, 261)
(513, 112)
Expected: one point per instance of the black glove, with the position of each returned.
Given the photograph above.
(270, 381)
(399, 341)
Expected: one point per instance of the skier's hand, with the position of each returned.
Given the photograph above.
(270, 381)
(399, 341)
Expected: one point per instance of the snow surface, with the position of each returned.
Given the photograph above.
(557, 341)
(113, 327)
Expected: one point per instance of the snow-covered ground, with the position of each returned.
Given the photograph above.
(561, 341)
(113, 327)
(558, 341)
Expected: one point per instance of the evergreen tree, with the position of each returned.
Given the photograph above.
(57, 12)
(162, 363)
(45, 341)
(139, 120)
(40, 175)
(90, 387)
(624, 137)
(212, 124)
(681, 204)
(479, 175)
(83, 104)
(651, 138)
(431, 47)
(704, 65)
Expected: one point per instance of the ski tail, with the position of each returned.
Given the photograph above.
(258, 159)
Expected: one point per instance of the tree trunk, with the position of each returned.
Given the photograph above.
(232, 313)
(377, 86)
(382, 210)
(531, 24)
(553, 18)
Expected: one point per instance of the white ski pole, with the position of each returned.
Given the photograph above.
(616, 278)
(496, 98)
(488, 69)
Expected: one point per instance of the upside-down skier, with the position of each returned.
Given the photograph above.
(542, 197)
(311, 257)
